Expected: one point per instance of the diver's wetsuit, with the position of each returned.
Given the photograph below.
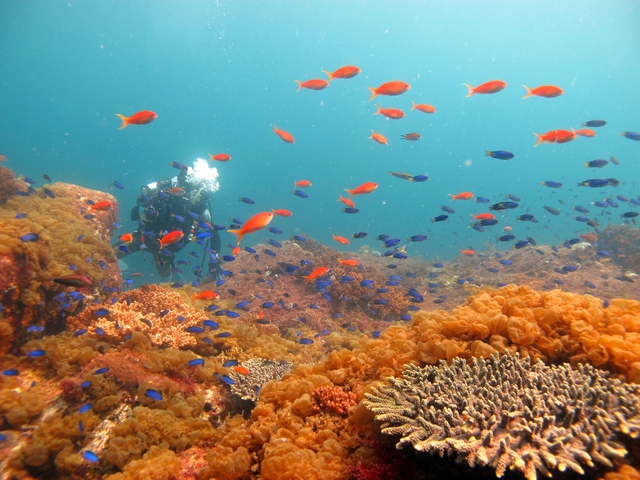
(161, 212)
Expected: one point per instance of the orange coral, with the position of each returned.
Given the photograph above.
(9, 185)
(333, 399)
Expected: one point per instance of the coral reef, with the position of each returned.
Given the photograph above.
(254, 374)
(623, 244)
(509, 414)
(333, 399)
(10, 185)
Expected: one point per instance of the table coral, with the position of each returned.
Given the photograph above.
(506, 413)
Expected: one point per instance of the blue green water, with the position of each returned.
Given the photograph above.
(220, 74)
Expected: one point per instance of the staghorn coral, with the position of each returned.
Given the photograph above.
(508, 414)
(333, 400)
(261, 371)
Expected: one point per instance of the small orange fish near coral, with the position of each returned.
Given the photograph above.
(547, 91)
(378, 137)
(589, 237)
(302, 183)
(341, 240)
(105, 205)
(349, 71)
(493, 86)
(483, 216)
(585, 132)
(555, 136)
(317, 273)
(286, 136)
(255, 223)
(235, 251)
(365, 188)
(206, 295)
(220, 157)
(461, 196)
(171, 238)
(423, 107)
(395, 87)
(242, 370)
(282, 212)
(315, 84)
(349, 262)
(470, 252)
(127, 238)
(392, 113)
(140, 118)
(347, 201)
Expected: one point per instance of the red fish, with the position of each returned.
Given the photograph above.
(470, 252)
(390, 88)
(317, 273)
(302, 183)
(140, 118)
(411, 136)
(483, 216)
(461, 196)
(585, 132)
(547, 91)
(171, 238)
(235, 251)
(282, 212)
(127, 238)
(342, 240)
(74, 280)
(255, 223)
(206, 295)
(241, 370)
(286, 136)
(493, 86)
(220, 157)
(348, 202)
(176, 192)
(367, 187)
(314, 84)
(349, 71)
(105, 205)
(423, 107)
(555, 136)
(393, 113)
(350, 262)
(378, 137)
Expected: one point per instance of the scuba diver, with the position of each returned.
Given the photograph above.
(179, 204)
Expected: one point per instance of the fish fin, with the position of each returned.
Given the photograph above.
(350, 192)
(539, 137)
(471, 90)
(329, 74)
(453, 197)
(487, 153)
(275, 127)
(379, 110)
(529, 92)
(413, 105)
(373, 93)
(237, 233)
(125, 121)
(299, 85)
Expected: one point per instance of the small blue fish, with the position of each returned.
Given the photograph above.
(275, 230)
(268, 304)
(20, 216)
(102, 312)
(12, 372)
(292, 268)
(91, 457)
(271, 253)
(499, 154)
(506, 262)
(274, 243)
(228, 258)
(482, 200)
(306, 341)
(300, 238)
(365, 283)
(438, 265)
(247, 200)
(551, 184)
(153, 394)
(419, 178)
(36, 353)
(85, 408)
(195, 329)
(117, 184)
(359, 235)
(440, 218)
(179, 166)
(350, 210)
(195, 362)
(30, 237)
(226, 379)
(506, 238)
(101, 371)
(551, 210)
(224, 335)
(300, 193)
(520, 244)
(250, 250)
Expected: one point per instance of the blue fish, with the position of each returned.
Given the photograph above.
(223, 335)
(91, 457)
(250, 249)
(179, 166)
(12, 372)
(365, 283)
(48, 193)
(36, 353)
(153, 394)
(300, 193)
(231, 314)
(440, 218)
(85, 408)
(226, 379)
(117, 184)
(506, 238)
(271, 253)
(20, 216)
(306, 341)
(488, 222)
(247, 200)
(595, 183)
(551, 210)
(520, 244)
(359, 235)
(482, 200)
(419, 178)
(446, 208)
(275, 230)
(274, 243)
(230, 363)
(350, 210)
(499, 154)
(30, 237)
(101, 371)
(292, 268)
(300, 238)
(551, 184)
(438, 265)
(195, 329)
(195, 362)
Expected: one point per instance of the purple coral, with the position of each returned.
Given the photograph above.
(506, 413)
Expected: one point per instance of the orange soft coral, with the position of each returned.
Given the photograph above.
(333, 399)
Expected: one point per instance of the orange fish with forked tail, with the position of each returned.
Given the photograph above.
(314, 84)
(555, 136)
(493, 86)
(282, 212)
(390, 88)
(461, 196)
(347, 201)
(104, 205)
(366, 187)
(349, 71)
(547, 91)
(378, 137)
(206, 295)
(423, 107)
(255, 223)
(342, 240)
(317, 273)
(140, 118)
(171, 238)
(349, 262)
(286, 136)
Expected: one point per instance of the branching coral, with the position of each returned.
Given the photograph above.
(333, 399)
(260, 371)
(509, 414)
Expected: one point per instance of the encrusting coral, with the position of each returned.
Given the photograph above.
(333, 399)
(509, 414)
(254, 373)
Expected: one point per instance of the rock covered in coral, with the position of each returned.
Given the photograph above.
(508, 414)
(254, 373)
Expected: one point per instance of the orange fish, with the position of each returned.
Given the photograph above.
(493, 86)
(302, 183)
(366, 187)
(255, 223)
(348, 202)
(235, 251)
(127, 238)
(282, 212)
(171, 238)
(469, 252)
(393, 113)
(140, 118)
(176, 192)
(483, 216)
(317, 273)
(341, 240)
(585, 132)
(378, 137)
(589, 237)
(286, 136)
(414, 137)
(105, 205)
(423, 107)
(555, 136)
(220, 157)
(390, 88)
(315, 84)
(350, 262)
(349, 71)
(241, 369)
(461, 196)
(206, 295)
(547, 91)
